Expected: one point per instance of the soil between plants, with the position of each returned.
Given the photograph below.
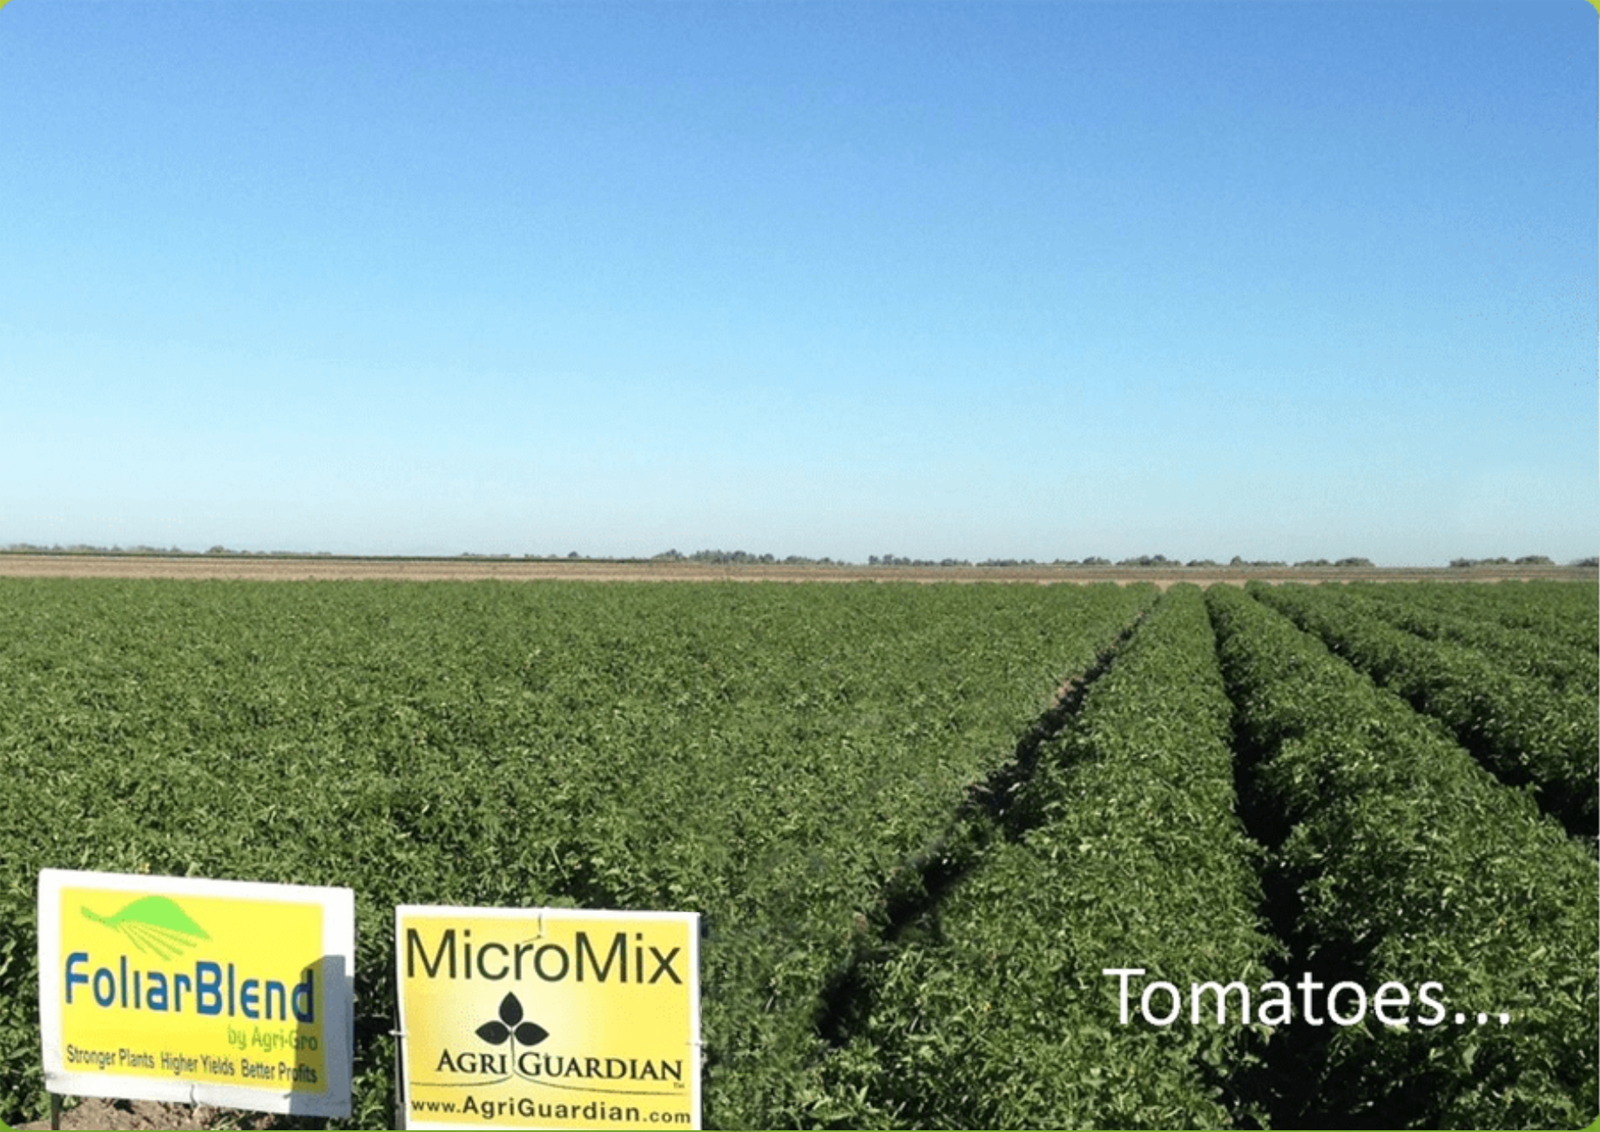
(119, 1115)
(287, 568)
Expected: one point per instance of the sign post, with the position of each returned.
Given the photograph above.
(199, 991)
(548, 1018)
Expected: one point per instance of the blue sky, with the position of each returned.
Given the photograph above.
(934, 279)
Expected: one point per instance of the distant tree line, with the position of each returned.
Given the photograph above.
(1135, 562)
(743, 557)
(1525, 560)
(165, 552)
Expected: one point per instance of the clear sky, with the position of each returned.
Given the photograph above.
(1039, 279)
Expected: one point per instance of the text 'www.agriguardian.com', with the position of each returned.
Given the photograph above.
(528, 1108)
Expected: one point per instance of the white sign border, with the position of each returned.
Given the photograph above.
(338, 942)
(442, 911)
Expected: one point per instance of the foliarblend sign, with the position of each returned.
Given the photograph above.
(548, 1018)
(199, 991)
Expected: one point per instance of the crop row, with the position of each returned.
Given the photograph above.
(1552, 659)
(768, 756)
(999, 1013)
(790, 762)
(1406, 863)
(1448, 927)
(1564, 612)
(1522, 729)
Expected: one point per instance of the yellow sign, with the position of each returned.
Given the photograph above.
(199, 991)
(550, 1018)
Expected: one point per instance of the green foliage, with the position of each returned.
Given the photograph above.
(1557, 614)
(807, 767)
(1412, 864)
(1547, 658)
(998, 1015)
(1524, 729)
(770, 756)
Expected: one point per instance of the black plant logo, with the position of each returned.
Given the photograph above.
(510, 1027)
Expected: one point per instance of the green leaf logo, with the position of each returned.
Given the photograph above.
(155, 924)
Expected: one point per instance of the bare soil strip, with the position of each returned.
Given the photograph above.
(280, 568)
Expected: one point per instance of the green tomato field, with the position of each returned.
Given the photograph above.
(966, 856)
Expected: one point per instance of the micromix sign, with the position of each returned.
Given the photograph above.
(188, 990)
(553, 1018)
